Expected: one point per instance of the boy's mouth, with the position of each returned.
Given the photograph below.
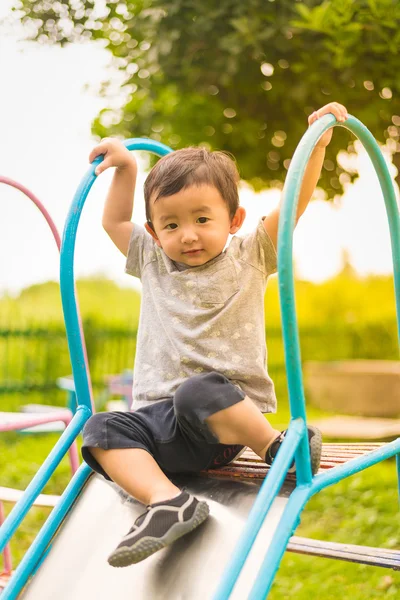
(193, 251)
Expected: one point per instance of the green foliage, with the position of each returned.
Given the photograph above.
(239, 76)
(345, 317)
(33, 345)
(343, 300)
(100, 300)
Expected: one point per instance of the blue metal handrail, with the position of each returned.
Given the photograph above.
(306, 485)
(82, 385)
(67, 282)
(285, 238)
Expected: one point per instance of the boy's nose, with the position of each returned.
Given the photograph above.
(188, 236)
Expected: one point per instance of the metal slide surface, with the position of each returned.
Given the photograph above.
(76, 566)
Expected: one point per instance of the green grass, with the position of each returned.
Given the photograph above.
(21, 455)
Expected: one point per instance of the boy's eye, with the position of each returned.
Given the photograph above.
(171, 226)
(203, 219)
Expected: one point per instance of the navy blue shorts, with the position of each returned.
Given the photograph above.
(173, 431)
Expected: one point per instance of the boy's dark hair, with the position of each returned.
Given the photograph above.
(193, 166)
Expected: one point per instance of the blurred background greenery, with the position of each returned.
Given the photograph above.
(343, 318)
(238, 76)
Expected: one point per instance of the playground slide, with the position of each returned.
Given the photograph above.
(76, 568)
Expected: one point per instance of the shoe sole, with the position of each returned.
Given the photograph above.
(315, 449)
(125, 556)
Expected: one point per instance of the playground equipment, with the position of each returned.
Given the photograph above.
(121, 385)
(11, 495)
(372, 385)
(63, 384)
(10, 421)
(19, 421)
(257, 521)
(36, 420)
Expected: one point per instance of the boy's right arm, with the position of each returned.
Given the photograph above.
(118, 207)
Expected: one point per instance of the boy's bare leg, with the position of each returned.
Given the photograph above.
(136, 471)
(172, 514)
(243, 424)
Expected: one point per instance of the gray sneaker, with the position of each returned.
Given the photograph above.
(159, 526)
(315, 442)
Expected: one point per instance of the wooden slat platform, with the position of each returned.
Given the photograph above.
(365, 555)
(250, 466)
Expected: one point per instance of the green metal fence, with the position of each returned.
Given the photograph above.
(31, 359)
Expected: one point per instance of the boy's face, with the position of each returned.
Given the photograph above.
(192, 226)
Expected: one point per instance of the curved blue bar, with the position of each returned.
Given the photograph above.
(286, 227)
(291, 336)
(80, 375)
(285, 261)
(306, 485)
(67, 284)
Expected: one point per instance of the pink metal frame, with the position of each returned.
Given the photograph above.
(63, 415)
(31, 420)
(6, 551)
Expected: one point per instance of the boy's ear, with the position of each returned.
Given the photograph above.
(153, 234)
(237, 220)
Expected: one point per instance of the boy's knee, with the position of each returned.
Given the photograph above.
(197, 392)
(94, 430)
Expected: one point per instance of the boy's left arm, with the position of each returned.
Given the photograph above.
(312, 172)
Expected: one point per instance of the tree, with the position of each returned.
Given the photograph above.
(239, 76)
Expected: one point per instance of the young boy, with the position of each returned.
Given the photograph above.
(200, 380)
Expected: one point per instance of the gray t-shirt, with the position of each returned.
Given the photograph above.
(200, 319)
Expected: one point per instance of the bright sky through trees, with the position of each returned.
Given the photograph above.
(45, 117)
